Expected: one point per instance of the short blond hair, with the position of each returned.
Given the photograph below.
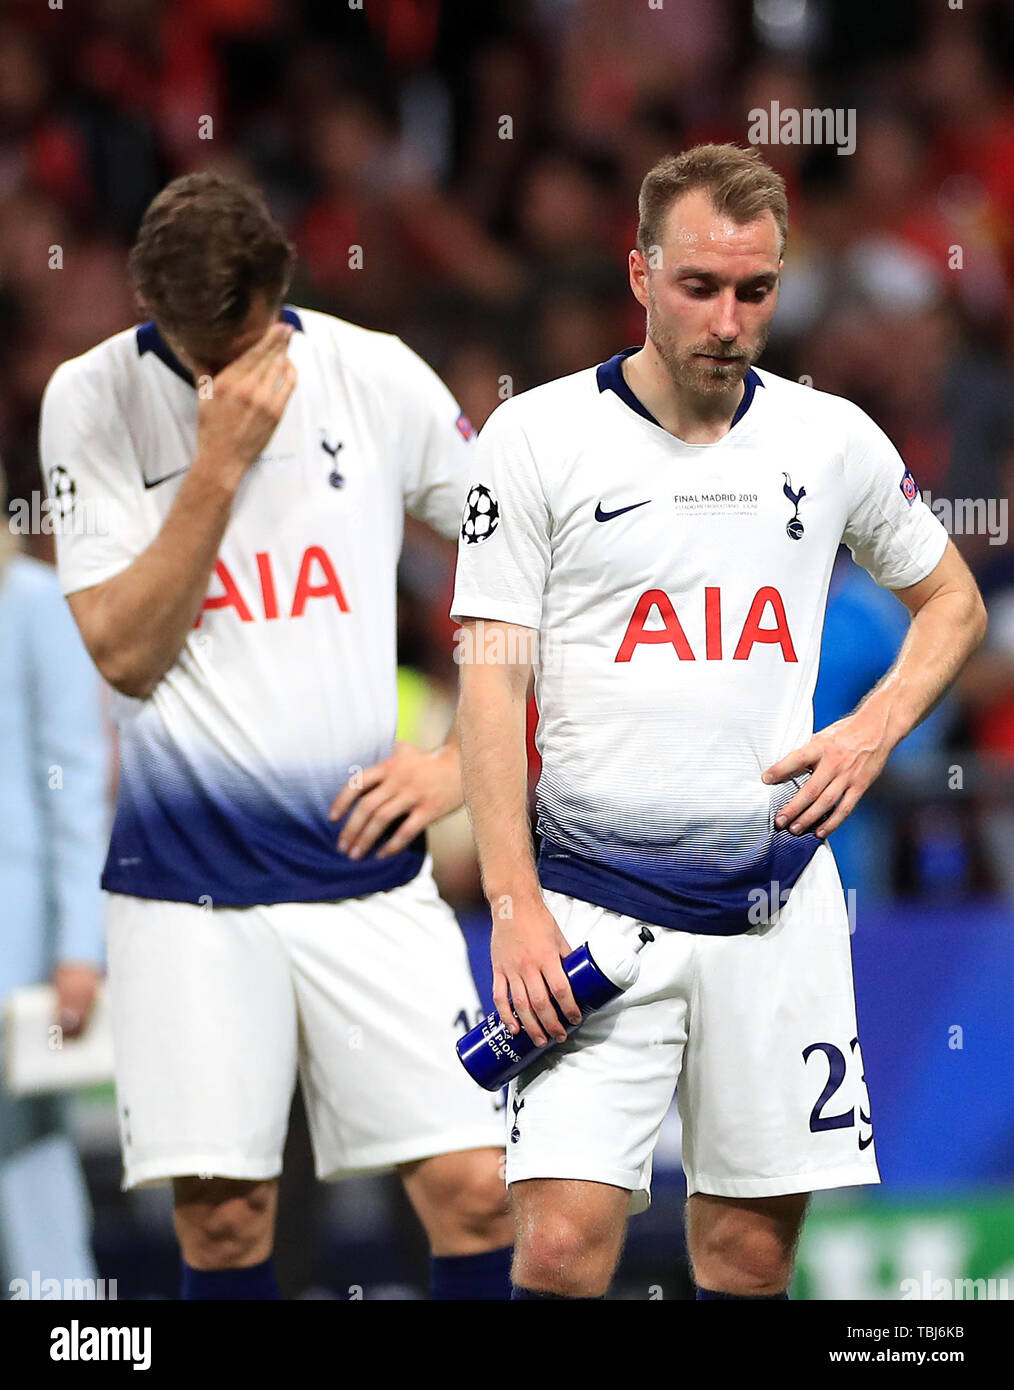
(737, 181)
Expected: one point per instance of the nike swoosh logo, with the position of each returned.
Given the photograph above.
(156, 481)
(865, 1143)
(600, 515)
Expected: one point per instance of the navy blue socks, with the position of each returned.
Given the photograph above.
(256, 1281)
(518, 1291)
(486, 1276)
(744, 1298)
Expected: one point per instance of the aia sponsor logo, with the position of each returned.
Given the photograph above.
(653, 604)
(317, 579)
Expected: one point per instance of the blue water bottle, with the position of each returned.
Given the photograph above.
(599, 971)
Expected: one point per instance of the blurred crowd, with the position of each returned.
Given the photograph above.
(466, 175)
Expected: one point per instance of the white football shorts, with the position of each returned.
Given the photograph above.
(216, 1011)
(757, 1033)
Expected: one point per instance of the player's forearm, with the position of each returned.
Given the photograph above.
(494, 760)
(137, 622)
(940, 639)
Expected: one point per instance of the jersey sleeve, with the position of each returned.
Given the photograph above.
(890, 530)
(92, 479)
(434, 445)
(504, 547)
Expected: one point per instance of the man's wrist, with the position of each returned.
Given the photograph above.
(219, 473)
(507, 899)
(884, 709)
(449, 752)
(451, 744)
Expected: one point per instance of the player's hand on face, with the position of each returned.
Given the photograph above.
(76, 986)
(526, 950)
(847, 758)
(423, 787)
(240, 413)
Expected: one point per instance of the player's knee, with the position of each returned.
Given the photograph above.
(481, 1202)
(471, 1195)
(462, 1200)
(228, 1228)
(742, 1259)
(561, 1254)
(226, 1236)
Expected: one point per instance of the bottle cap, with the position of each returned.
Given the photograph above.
(614, 944)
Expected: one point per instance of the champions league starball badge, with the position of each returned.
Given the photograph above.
(793, 527)
(481, 516)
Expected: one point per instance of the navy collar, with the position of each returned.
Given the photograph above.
(750, 383)
(149, 339)
(610, 378)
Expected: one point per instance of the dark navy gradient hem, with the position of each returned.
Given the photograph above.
(254, 888)
(727, 909)
(179, 836)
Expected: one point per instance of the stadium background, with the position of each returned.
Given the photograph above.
(485, 158)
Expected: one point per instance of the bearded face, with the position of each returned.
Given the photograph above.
(704, 365)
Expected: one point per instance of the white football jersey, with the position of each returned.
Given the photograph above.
(287, 683)
(678, 591)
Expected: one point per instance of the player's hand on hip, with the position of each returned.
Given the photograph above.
(846, 759)
(419, 786)
(247, 399)
(526, 950)
(76, 987)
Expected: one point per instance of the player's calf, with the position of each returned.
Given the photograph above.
(744, 1247)
(461, 1200)
(222, 1223)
